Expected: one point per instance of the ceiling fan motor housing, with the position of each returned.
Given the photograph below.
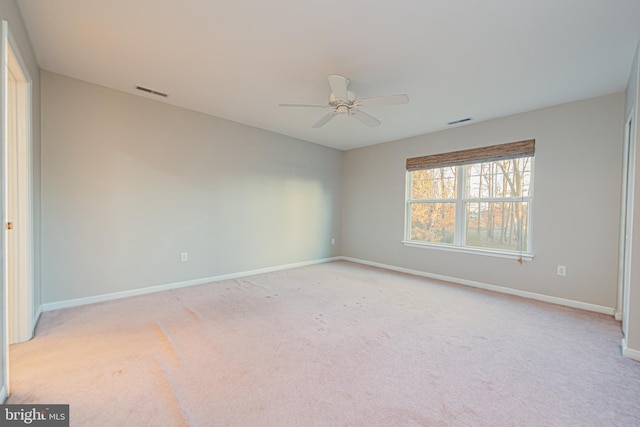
(334, 102)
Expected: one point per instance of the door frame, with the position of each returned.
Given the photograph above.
(626, 222)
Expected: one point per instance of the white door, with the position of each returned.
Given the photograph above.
(16, 248)
(17, 200)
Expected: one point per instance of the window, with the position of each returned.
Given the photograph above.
(475, 199)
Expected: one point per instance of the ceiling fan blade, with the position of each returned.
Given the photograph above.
(365, 118)
(324, 120)
(339, 86)
(384, 100)
(303, 105)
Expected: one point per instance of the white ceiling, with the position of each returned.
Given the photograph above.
(239, 59)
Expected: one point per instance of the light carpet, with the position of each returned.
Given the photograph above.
(336, 344)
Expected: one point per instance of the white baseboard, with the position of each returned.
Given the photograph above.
(630, 352)
(617, 315)
(142, 291)
(495, 288)
(151, 289)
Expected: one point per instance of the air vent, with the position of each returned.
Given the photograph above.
(151, 91)
(455, 122)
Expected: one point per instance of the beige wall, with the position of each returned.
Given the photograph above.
(129, 183)
(576, 211)
(9, 12)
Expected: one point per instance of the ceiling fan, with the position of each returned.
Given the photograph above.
(343, 101)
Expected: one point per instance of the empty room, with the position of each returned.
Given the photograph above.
(349, 213)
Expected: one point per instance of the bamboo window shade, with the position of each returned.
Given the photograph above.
(512, 150)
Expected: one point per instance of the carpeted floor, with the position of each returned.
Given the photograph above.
(335, 344)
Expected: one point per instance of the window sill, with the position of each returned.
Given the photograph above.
(469, 250)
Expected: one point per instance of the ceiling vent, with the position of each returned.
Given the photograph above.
(455, 122)
(151, 91)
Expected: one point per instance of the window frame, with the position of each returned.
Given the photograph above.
(460, 230)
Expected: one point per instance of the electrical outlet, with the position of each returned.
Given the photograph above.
(333, 241)
(562, 270)
(184, 257)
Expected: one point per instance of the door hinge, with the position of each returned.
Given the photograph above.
(9, 225)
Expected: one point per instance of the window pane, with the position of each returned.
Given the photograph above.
(497, 225)
(504, 178)
(437, 183)
(433, 222)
